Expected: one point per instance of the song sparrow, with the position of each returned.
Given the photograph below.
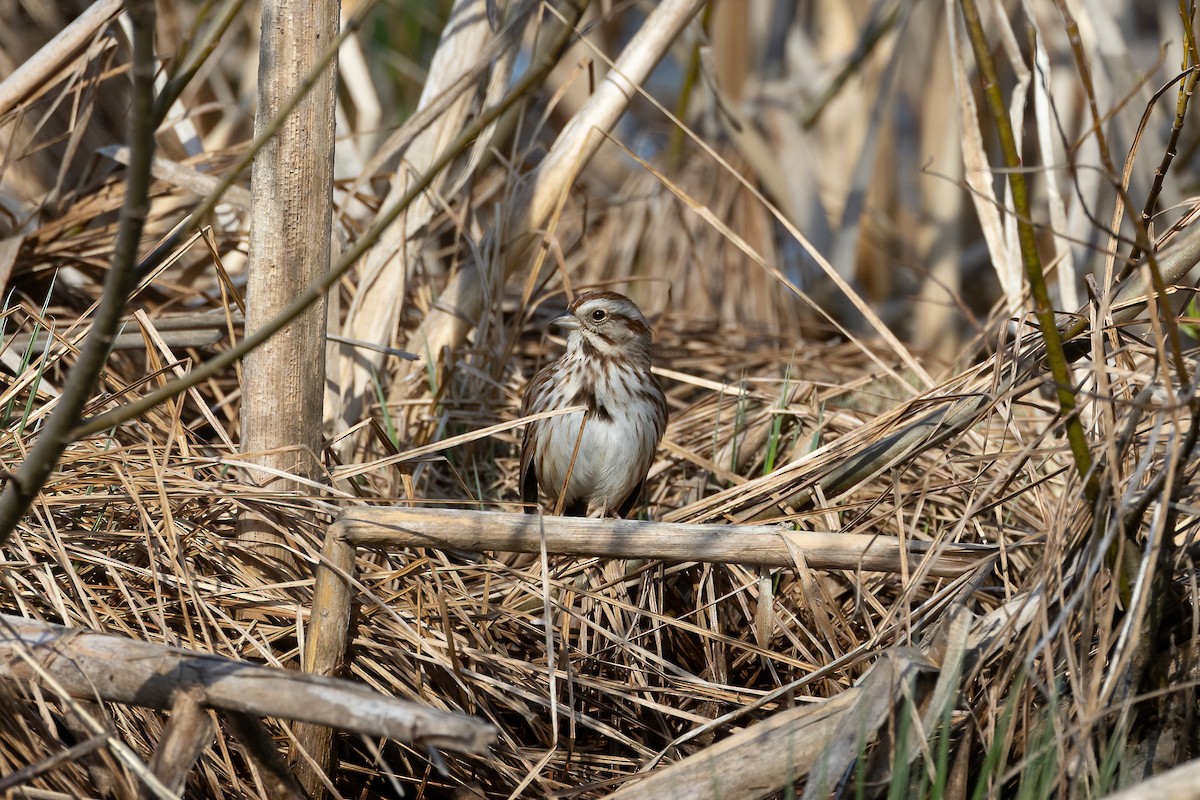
(594, 461)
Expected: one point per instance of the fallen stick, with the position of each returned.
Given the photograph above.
(751, 545)
(94, 665)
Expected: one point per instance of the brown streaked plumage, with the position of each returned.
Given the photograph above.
(606, 369)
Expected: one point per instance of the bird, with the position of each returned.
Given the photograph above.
(594, 462)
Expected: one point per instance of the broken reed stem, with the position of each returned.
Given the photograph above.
(819, 742)
(188, 732)
(328, 633)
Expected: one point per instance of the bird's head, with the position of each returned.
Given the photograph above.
(608, 323)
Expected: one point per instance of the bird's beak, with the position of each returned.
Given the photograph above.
(566, 321)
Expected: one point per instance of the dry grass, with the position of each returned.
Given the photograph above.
(595, 671)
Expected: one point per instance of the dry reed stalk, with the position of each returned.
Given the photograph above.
(187, 734)
(755, 762)
(283, 380)
(328, 633)
(1175, 784)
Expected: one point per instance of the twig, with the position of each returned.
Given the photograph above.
(57, 433)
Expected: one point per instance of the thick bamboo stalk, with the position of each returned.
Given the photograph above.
(94, 665)
(766, 546)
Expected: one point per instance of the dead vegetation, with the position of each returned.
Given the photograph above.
(845, 337)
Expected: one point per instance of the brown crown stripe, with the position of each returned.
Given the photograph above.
(597, 295)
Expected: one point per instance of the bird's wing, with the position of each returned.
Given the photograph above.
(529, 478)
(528, 475)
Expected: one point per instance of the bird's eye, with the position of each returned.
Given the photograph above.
(599, 315)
